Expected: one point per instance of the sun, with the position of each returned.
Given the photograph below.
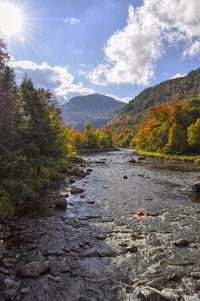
(11, 20)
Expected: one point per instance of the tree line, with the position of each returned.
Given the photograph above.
(33, 146)
(172, 128)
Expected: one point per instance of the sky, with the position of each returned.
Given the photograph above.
(112, 47)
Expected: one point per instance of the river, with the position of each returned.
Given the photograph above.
(99, 249)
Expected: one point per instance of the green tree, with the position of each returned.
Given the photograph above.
(177, 139)
(91, 137)
(194, 135)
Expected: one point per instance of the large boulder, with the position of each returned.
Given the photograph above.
(34, 269)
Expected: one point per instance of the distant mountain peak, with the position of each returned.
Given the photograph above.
(95, 108)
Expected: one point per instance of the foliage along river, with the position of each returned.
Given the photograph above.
(98, 250)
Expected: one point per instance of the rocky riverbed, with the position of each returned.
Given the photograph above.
(90, 241)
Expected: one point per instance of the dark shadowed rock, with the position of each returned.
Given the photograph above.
(72, 180)
(196, 187)
(60, 204)
(141, 158)
(12, 288)
(90, 202)
(125, 177)
(132, 248)
(132, 161)
(100, 162)
(34, 269)
(181, 243)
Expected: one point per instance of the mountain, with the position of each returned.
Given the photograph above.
(168, 91)
(95, 108)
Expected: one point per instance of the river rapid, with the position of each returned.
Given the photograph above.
(99, 249)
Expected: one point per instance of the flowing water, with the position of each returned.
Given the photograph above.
(100, 250)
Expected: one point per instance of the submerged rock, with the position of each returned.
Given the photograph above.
(34, 269)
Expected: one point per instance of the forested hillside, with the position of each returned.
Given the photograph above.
(94, 108)
(125, 124)
(167, 91)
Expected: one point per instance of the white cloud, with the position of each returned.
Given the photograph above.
(193, 49)
(56, 78)
(178, 75)
(123, 99)
(131, 53)
(72, 21)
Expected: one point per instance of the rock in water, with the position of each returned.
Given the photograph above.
(34, 269)
(100, 162)
(60, 204)
(196, 187)
(132, 161)
(76, 190)
(141, 158)
(181, 243)
(132, 248)
(151, 294)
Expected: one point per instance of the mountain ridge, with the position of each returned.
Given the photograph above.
(95, 108)
(167, 91)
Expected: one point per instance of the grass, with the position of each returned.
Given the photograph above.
(189, 158)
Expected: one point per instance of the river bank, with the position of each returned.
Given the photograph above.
(187, 158)
(97, 248)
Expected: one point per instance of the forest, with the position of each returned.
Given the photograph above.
(171, 128)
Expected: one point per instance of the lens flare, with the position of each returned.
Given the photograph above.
(11, 20)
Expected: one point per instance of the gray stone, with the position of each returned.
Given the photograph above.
(34, 269)
(3, 271)
(24, 290)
